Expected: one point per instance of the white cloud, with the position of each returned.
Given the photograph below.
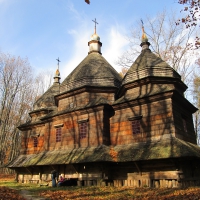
(115, 47)
(113, 41)
(80, 34)
(111, 51)
(80, 50)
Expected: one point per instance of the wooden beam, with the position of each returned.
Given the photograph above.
(28, 170)
(138, 168)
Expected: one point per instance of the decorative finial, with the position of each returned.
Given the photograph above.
(57, 74)
(95, 25)
(144, 37)
(58, 62)
(145, 44)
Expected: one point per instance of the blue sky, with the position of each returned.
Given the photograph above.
(43, 30)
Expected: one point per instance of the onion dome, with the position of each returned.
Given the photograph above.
(145, 44)
(144, 36)
(95, 37)
(57, 73)
(57, 76)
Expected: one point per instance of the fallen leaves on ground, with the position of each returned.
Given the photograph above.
(11, 194)
(98, 193)
(123, 193)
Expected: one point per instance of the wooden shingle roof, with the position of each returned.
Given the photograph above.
(148, 64)
(152, 150)
(94, 70)
(47, 99)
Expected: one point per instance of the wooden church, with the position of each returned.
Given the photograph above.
(96, 128)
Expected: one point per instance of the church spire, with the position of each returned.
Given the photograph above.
(145, 44)
(94, 43)
(57, 74)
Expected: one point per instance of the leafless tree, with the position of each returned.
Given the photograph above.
(19, 89)
(15, 101)
(196, 100)
(170, 42)
(43, 81)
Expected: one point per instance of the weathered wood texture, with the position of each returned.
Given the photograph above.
(97, 132)
(180, 114)
(156, 120)
(140, 174)
(83, 99)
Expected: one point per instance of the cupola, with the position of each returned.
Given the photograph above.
(57, 74)
(94, 43)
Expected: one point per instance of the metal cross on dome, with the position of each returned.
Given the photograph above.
(95, 24)
(142, 22)
(58, 62)
(142, 26)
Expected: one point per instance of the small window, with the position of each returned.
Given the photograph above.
(58, 134)
(135, 123)
(184, 121)
(135, 126)
(35, 142)
(184, 124)
(82, 130)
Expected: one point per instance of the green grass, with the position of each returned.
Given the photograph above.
(36, 188)
(33, 188)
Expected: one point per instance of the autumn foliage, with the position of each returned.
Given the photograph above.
(191, 15)
(124, 193)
